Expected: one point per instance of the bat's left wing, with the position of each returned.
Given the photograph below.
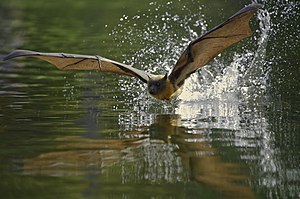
(200, 51)
(65, 61)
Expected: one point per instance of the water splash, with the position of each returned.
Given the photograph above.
(224, 94)
(145, 37)
(217, 83)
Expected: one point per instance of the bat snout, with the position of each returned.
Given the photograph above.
(152, 89)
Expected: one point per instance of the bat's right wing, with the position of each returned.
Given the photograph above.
(65, 61)
(200, 51)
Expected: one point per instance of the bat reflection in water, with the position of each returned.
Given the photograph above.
(163, 87)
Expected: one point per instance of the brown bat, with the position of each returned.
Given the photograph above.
(164, 87)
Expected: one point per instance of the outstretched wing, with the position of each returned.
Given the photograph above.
(200, 51)
(65, 61)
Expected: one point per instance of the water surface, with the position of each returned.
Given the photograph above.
(233, 132)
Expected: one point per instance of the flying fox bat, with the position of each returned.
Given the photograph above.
(164, 87)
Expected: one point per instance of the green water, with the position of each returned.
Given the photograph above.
(233, 133)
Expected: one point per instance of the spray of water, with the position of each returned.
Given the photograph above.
(158, 40)
(224, 94)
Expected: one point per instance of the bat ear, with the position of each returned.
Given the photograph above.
(149, 78)
(165, 77)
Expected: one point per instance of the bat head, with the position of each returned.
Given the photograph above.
(157, 85)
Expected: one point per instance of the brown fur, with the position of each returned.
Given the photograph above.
(168, 93)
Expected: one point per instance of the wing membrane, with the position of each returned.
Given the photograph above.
(65, 61)
(202, 50)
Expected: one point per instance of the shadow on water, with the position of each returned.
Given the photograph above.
(233, 132)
